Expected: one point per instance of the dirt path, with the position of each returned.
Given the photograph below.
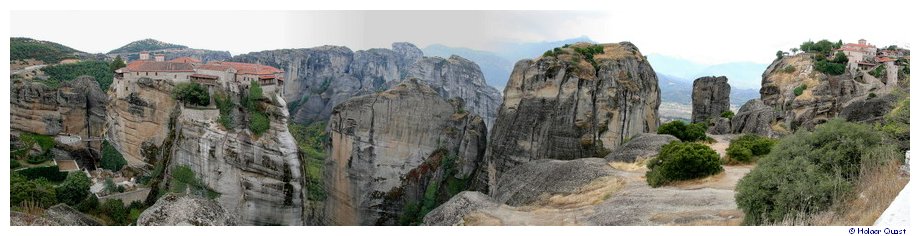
(708, 201)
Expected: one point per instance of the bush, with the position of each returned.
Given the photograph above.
(38, 191)
(111, 158)
(748, 146)
(682, 161)
(808, 171)
(897, 124)
(192, 93)
(50, 173)
(74, 189)
(799, 90)
(14, 164)
(225, 106)
(311, 141)
(258, 123)
(879, 71)
(40, 158)
(44, 141)
(728, 114)
(89, 204)
(183, 180)
(115, 209)
(684, 132)
(830, 68)
(789, 69)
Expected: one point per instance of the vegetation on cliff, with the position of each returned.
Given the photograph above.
(192, 93)
(99, 70)
(111, 158)
(311, 142)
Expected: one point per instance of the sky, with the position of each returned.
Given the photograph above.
(751, 32)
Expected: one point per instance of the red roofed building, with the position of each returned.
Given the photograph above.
(230, 75)
(858, 52)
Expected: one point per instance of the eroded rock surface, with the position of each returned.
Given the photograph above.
(176, 210)
(390, 148)
(57, 215)
(710, 98)
(76, 107)
(639, 147)
(568, 106)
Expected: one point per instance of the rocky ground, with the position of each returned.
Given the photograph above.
(620, 198)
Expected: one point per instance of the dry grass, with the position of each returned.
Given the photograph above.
(614, 52)
(639, 165)
(592, 194)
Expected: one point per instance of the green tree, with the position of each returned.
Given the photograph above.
(682, 161)
(779, 54)
(192, 93)
(258, 123)
(115, 209)
(74, 189)
(98, 70)
(111, 158)
(118, 63)
(38, 191)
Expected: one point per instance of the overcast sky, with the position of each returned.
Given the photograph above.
(748, 32)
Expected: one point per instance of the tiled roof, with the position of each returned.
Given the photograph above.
(884, 59)
(253, 69)
(266, 76)
(213, 66)
(203, 76)
(159, 66)
(185, 60)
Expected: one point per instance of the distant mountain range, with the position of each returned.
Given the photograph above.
(744, 75)
(678, 90)
(497, 66)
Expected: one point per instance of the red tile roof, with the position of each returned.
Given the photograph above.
(253, 69)
(884, 59)
(159, 66)
(213, 66)
(185, 60)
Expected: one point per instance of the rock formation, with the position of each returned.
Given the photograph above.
(719, 125)
(76, 107)
(255, 177)
(710, 98)
(574, 102)
(753, 117)
(821, 96)
(397, 149)
(57, 215)
(176, 210)
(640, 147)
(320, 78)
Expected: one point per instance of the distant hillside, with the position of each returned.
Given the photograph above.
(518, 51)
(48, 52)
(146, 45)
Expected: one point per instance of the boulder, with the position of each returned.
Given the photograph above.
(453, 211)
(639, 147)
(526, 183)
(57, 215)
(177, 210)
(870, 109)
(710, 98)
(754, 117)
(719, 125)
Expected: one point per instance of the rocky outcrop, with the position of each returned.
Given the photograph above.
(869, 110)
(804, 97)
(76, 107)
(258, 177)
(176, 210)
(755, 118)
(719, 125)
(318, 79)
(396, 149)
(530, 181)
(710, 98)
(569, 104)
(57, 215)
(640, 147)
(453, 211)
(459, 77)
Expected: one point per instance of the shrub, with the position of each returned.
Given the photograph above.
(799, 90)
(897, 124)
(14, 164)
(748, 146)
(40, 158)
(682, 161)
(683, 131)
(115, 209)
(789, 69)
(38, 191)
(74, 189)
(728, 114)
(226, 107)
(879, 71)
(311, 140)
(98, 70)
(111, 158)
(258, 123)
(44, 141)
(809, 171)
(89, 204)
(192, 93)
(50, 173)
(183, 180)
(830, 68)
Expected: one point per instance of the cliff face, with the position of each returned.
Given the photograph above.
(77, 107)
(317, 79)
(398, 151)
(710, 98)
(257, 178)
(459, 77)
(822, 96)
(563, 106)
